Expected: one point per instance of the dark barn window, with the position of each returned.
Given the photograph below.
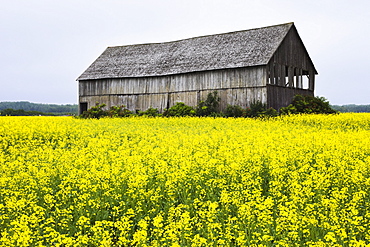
(83, 107)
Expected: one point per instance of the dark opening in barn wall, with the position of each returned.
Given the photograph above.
(83, 107)
(289, 76)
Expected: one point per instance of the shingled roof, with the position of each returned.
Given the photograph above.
(229, 50)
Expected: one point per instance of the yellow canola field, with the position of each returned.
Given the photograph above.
(287, 181)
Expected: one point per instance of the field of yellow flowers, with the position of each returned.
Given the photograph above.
(287, 181)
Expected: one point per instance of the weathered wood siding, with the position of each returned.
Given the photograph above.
(279, 96)
(291, 65)
(235, 86)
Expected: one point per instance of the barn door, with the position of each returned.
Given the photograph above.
(83, 107)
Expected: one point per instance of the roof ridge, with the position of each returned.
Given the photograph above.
(203, 36)
(235, 49)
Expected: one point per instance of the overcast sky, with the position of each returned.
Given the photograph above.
(46, 44)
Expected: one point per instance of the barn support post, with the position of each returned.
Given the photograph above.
(281, 75)
(311, 80)
(299, 78)
(276, 74)
(272, 74)
(268, 74)
(291, 76)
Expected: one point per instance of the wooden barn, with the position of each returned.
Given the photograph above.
(269, 64)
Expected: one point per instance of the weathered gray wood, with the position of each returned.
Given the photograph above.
(208, 80)
(299, 79)
(277, 74)
(274, 78)
(293, 54)
(278, 96)
(311, 83)
(291, 76)
(282, 75)
(234, 96)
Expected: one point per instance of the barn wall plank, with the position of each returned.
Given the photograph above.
(209, 80)
(235, 86)
(279, 96)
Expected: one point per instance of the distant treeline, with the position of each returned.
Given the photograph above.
(25, 108)
(12, 112)
(351, 108)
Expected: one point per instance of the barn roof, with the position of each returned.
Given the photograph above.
(221, 51)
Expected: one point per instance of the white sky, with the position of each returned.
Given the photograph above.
(46, 44)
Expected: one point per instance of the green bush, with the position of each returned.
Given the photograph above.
(209, 106)
(98, 111)
(179, 110)
(308, 104)
(271, 112)
(119, 111)
(256, 109)
(95, 112)
(150, 112)
(234, 111)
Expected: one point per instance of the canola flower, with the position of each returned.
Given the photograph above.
(287, 181)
